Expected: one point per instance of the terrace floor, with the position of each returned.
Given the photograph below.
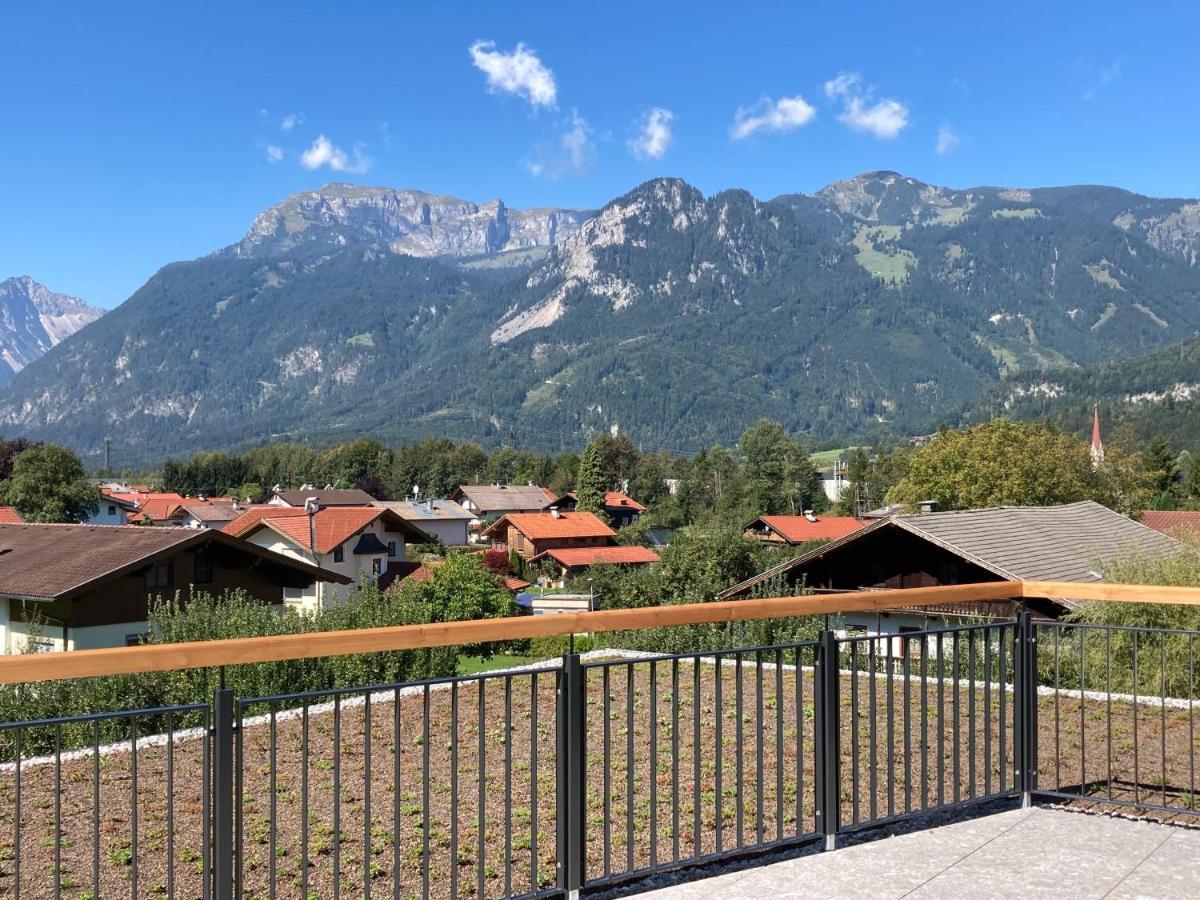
(1037, 852)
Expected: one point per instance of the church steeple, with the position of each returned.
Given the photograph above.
(1097, 443)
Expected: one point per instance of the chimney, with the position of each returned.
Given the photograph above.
(810, 515)
(555, 513)
(428, 504)
(311, 507)
(928, 506)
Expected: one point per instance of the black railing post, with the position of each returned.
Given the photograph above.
(1025, 706)
(827, 724)
(572, 776)
(223, 799)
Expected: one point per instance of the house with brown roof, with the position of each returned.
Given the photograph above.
(570, 562)
(98, 591)
(442, 519)
(327, 496)
(620, 508)
(794, 530)
(206, 513)
(531, 534)
(488, 502)
(358, 542)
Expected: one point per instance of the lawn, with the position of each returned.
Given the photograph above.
(473, 665)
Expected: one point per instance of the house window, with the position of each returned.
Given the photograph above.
(292, 594)
(203, 572)
(377, 566)
(112, 510)
(159, 575)
(391, 549)
(339, 555)
(132, 640)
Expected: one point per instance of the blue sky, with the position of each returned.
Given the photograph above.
(132, 135)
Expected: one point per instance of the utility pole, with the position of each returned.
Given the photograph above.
(108, 456)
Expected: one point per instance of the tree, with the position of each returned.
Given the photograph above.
(590, 483)
(48, 484)
(780, 475)
(1161, 472)
(1000, 463)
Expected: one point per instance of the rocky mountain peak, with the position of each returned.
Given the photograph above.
(33, 319)
(406, 221)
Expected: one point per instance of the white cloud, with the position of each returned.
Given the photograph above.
(845, 83)
(274, 154)
(324, 152)
(572, 153)
(784, 114)
(291, 121)
(519, 72)
(884, 118)
(654, 137)
(947, 140)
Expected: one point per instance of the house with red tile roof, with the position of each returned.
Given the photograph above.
(360, 542)
(9, 516)
(531, 534)
(571, 561)
(1172, 521)
(804, 529)
(620, 508)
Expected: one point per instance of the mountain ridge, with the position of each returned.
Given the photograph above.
(878, 305)
(33, 319)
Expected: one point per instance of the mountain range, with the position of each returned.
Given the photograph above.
(33, 319)
(878, 305)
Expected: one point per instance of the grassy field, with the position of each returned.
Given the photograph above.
(457, 785)
(473, 665)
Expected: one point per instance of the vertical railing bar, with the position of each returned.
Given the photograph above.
(337, 795)
(739, 810)
(629, 767)
(889, 662)
(606, 712)
(1108, 703)
(1001, 663)
(653, 764)
(58, 808)
(170, 805)
(906, 645)
(925, 721)
(1082, 710)
(675, 759)
(1057, 694)
(759, 792)
(872, 715)
(1191, 718)
(133, 807)
(274, 823)
(534, 881)
(481, 768)
(956, 709)
(508, 730)
(454, 786)
(719, 715)
(1137, 779)
(854, 757)
(304, 798)
(941, 717)
(238, 812)
(779, 743)
(17, 815)
(799, 741)
(1162, 711)
(96, 805)
(987, 711)
(971, 741)
(697, 847)
(426, 811)
(397, 821)
(225, 739)
(366, 797)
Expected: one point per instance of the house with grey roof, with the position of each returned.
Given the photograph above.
(443, 519)
(488, 502)
(1071, 542)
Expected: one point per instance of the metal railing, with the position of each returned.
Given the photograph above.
(594, 771)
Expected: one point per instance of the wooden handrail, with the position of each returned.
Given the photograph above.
(32, 667)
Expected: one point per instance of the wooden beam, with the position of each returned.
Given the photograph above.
(24, 668)
(1112, 593)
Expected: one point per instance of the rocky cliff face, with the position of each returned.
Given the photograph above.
(409, 222)
(33, 319)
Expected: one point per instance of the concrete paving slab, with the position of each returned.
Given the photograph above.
(1027, 853)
